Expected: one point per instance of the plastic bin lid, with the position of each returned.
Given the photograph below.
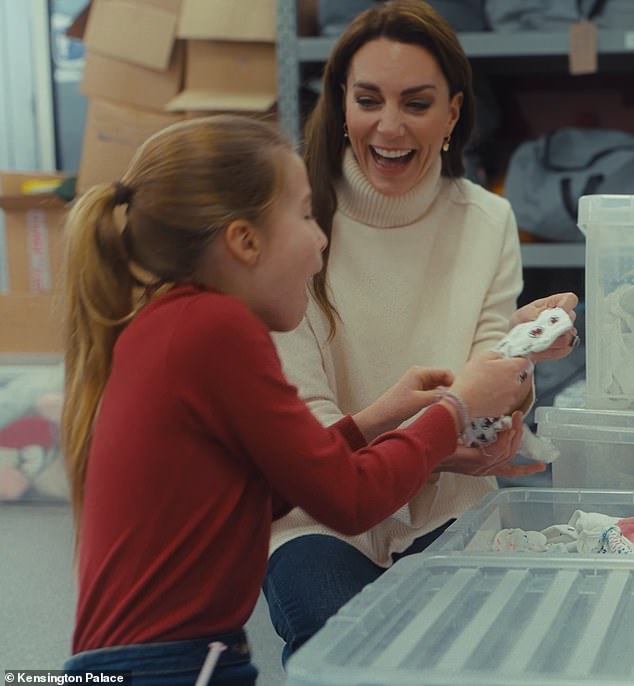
(605, 210)
(478, 620)
(581, 416)
(581, 424)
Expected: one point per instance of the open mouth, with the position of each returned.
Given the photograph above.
(391, 157)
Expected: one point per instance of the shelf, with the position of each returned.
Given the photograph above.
(489, 44)
(548, 255)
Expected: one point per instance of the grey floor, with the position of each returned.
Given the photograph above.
(37, 595)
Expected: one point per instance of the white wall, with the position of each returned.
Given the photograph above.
(26, 106)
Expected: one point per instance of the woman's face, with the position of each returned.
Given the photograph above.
(398, 111)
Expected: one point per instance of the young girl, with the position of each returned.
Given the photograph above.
(183, 438)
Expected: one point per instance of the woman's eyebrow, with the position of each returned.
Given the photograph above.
(366, 85)
(418, 89)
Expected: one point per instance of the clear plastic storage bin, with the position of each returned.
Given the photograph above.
(596, 447)
(471, 620)
(531, 509)
(608, 223)
(31, 464)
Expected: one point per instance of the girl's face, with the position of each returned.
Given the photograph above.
(398, 111)
(291, 253)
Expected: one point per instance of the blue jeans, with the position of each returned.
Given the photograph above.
(309, 578)
(173, 663)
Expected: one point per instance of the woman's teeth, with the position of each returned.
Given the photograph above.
(391, 154)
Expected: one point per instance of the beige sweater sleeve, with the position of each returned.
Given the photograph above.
(303, 365)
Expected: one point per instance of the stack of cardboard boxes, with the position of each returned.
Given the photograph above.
(150, 63)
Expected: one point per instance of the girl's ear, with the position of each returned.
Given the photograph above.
(244, 241)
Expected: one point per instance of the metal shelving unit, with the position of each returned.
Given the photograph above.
(521, 48)
(551, 255)
(488, 44)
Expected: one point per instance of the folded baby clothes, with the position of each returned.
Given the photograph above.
(547, 541)
(585, 532)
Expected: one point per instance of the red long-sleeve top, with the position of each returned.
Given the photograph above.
(197, 436)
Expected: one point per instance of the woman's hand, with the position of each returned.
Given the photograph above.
(493, 460)
(410, 394)
(567, 342)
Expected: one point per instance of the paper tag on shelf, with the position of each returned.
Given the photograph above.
(582, 58)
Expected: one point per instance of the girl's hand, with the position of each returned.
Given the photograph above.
(493, 460)
(413, 392)
(492, 385)
(568, 341)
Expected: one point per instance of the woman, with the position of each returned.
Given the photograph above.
(423, 267)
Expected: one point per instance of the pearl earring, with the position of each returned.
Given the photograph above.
(445, 143)
(345, 130)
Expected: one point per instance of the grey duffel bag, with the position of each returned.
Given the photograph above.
(547, 176)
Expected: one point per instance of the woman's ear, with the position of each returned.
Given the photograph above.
(454, 108)
(244, 241)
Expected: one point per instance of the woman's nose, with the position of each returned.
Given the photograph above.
(390, 122)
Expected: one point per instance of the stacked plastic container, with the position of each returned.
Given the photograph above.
(596, 443)
(461, 613)
(31, 463)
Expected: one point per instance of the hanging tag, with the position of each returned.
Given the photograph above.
(582, 58)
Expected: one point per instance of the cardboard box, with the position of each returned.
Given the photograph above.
(142, 67)
(140, 32)
(33, 233)
(31, 257)
(230, 63)
(231, 20)
(113, 79)
(30, 323)
(112, 135)
(228, 76)
(228, 20)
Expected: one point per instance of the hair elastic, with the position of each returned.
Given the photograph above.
(122, 193)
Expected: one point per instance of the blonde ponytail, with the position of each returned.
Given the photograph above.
(98, 303)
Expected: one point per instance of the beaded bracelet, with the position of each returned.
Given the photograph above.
(466, 432)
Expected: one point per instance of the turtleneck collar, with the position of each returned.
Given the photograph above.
(359, 200)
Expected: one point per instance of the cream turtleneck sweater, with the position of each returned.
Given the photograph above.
(426, 278)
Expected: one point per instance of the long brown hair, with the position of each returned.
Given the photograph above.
(404, 21)
(184, 185)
